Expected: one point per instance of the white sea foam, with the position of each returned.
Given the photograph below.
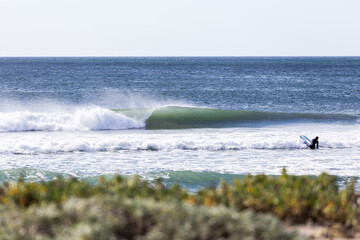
(82, 118)
(166, 140)
(236, 150)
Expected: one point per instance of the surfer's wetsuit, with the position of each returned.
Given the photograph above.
(314, 142)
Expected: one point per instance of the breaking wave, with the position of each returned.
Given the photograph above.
(171, 117)
(188, 117)
(88, 118)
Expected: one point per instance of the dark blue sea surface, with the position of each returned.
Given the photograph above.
(276, 84)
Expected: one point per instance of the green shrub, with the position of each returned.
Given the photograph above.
(112, 217)
(294, 198)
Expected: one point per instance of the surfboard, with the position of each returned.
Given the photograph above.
(306, 140)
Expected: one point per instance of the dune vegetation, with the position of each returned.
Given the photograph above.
(131, 208)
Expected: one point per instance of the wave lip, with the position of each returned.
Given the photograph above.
(169, 117)
(87, 118)
(174, 117)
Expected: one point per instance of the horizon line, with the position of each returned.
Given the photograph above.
(177, 56)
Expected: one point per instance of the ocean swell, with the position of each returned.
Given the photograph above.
(170, 117)
(173, 117)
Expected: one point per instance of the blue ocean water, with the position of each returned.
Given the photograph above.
(178, 117)
(303, 84)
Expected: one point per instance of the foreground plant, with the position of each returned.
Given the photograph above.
(112, 217)
(293, 198)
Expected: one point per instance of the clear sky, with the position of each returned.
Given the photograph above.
(179, 28)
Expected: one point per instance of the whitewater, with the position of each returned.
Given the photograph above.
(93, 141)
(191, 121)
(85, 118)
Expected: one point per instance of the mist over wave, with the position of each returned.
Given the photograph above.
(82, 118)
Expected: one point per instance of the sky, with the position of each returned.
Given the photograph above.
(179, 28)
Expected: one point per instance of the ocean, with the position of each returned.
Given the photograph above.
(188, 120)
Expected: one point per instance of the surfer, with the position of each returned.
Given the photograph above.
(314, 142)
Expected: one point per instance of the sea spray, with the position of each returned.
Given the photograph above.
(165, 117)
(83, 118)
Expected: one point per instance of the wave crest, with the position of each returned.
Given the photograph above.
(173, 117)
(88, 118)
(170, 117)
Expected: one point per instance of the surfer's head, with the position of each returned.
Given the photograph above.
(316, 137)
